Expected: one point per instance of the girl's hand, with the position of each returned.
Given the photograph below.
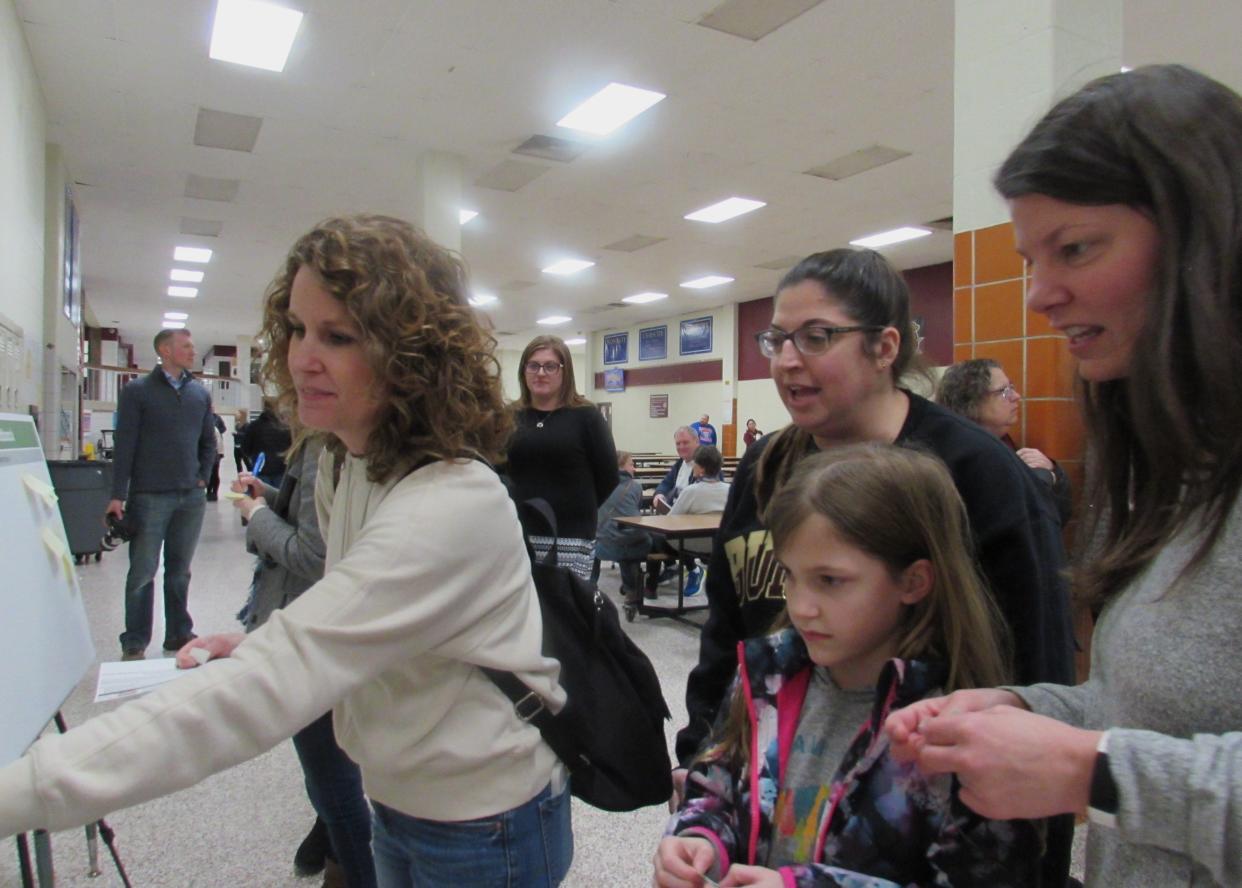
(217, 646)
(905, 726)
(758, 876)
(248, 484)
(1011, 763)
(681, 861)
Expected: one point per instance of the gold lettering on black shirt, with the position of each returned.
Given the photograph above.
(756, 573)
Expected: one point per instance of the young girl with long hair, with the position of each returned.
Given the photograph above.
(886, 608)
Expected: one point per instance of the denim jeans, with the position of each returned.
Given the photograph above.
(530, 846)
(171, 520)
(334, 786)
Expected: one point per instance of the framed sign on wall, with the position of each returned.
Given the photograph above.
(653, 343)
(658, 407)
(696, 336)
(616, 348)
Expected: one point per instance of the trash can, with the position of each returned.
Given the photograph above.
(83, 488)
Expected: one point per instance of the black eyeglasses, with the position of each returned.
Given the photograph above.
(551, 368)
(810, 340)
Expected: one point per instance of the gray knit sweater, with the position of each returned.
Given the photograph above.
(165, 440)
(1166, 681)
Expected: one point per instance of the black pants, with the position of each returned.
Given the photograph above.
(655, 568)
(213, 483)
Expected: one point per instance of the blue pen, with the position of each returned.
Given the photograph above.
(258, 464)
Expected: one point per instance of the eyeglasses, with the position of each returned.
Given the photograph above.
(809, 340)
(551, 368)
(1005, 392)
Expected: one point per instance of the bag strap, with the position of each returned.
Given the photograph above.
(531, 709)
(541, 508)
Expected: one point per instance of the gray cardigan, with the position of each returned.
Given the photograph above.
(286, 536)
(1166, 682)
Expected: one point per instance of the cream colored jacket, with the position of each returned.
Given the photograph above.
(426, 578)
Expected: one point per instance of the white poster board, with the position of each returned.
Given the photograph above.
(45, 643)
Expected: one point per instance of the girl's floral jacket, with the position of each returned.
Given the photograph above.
(885, 823)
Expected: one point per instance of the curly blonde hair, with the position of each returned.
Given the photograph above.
(441, 387)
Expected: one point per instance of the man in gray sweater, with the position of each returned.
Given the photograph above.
(165, 449)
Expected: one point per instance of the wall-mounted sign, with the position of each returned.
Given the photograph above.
(653, 343)
(696, 336)
(614, 379)
(658, 407)
(616, 348)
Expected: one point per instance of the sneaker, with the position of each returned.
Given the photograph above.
(172, 645)
(668, 575)
(694, 583)
(133, 654)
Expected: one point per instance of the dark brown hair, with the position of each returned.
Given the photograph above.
(442, 397)
(1164, 455)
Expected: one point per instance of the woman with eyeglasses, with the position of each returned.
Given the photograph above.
(840, 340)
(561, 451)
(979, 390)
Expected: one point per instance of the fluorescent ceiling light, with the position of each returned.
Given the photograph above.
(192, 254)
(554, 320)
(464, 216)
(612, 106)
(726, 209)
(252, 33)
(184, 274)
(896, 236)
(183, 292)
(176, 316)
(174, 325)
(478, 300)
(644, 298)
(708, 280)
(577, 341)
(567, 266)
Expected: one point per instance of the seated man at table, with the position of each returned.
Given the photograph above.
(706, 496)
(679, 475)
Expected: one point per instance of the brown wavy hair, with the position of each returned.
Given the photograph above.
(436, 364)
(1163, 455)
(898, 505)
(569, 396)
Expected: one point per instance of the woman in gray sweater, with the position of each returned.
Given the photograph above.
(1127, 205)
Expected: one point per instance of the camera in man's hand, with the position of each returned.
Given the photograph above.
(120, 530)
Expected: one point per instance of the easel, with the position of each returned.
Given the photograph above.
(43, 874)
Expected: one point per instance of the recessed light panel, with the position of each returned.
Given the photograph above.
(248, 32)
(478, 300)
(176, 316)
(728, 208)
(708, 280)
(183, 292)
(184, 274)
(612, 106)
(464, 216)
(567, 266)
(576, 341)
(896, 236)
(192, 254)
(644, 298)
(173, 325)
(554, 320)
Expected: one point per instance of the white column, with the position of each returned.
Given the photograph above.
(1014, 59)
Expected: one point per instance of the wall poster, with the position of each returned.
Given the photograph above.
(653, 343)
(616, 348)
(658, 407)
(696, 336)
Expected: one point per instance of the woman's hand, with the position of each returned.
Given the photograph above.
(248, 484)
(681, 861)
(1011, 763)
(757, 876)
(904, 727)
(217, 646)
(1034, 458)
(247, 505)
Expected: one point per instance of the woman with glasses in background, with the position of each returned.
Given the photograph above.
(979, 390)
(840, 341)
(561, 451)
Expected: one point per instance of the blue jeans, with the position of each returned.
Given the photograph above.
(334, 786)
(530, 846)
(171, 520)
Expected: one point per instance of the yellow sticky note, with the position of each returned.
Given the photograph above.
(233, 495)
(40, 488)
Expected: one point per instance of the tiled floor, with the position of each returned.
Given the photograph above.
(240, 828)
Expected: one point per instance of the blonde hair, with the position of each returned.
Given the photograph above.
(898, 505)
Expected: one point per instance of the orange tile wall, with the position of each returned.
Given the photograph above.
(990, 320)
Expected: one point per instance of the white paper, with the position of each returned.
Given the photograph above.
(40, 487)
(131, 677)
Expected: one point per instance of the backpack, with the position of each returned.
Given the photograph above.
(610, 734)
